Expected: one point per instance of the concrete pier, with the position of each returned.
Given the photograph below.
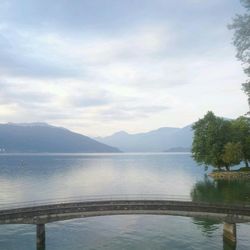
(40, 236)
(229, 233)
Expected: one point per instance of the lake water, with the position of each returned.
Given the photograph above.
(26, 178)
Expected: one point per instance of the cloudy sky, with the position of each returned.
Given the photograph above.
(100, 66)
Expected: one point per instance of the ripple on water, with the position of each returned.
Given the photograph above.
(43, 177)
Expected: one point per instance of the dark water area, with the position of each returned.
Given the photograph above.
(27, 178)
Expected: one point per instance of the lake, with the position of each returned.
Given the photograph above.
(27, 178)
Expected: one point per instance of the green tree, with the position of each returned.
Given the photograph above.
(211, 134)
(232, 154)
(241, 134)
(241, 40)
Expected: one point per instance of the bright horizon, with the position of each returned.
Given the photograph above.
(98, 68)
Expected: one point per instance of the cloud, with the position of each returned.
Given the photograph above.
(10, 95)
(22, 55)
(130, 112)
(102, 66)
(90, 99)
(52, 55)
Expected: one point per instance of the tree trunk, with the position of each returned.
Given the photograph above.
(227, 168)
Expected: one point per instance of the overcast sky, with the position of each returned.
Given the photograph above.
(100, 66)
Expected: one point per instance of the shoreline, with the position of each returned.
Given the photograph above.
(231, 175)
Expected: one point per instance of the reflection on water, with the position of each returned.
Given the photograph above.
(29, 177)
(229, 246)
(50, 177)
(226, 191)
(220, 191)
(207, 226)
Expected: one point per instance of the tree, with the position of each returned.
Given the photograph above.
(232, 154)
(246, 89)
(211, 134)
(241, 40)
(241, 134)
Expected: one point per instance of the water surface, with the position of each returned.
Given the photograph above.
(25, 178)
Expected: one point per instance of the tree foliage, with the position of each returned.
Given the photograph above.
(221, 143)
(241, 40)
(241, 134)
(211, 134)
(232, 154)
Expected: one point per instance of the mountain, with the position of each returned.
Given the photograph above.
(45, 138)
(158, 140)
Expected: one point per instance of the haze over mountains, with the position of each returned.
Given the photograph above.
(162, 139)
(44, 138)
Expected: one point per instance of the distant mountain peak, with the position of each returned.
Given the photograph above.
(153, 141)
(121, 133)
(163, 129)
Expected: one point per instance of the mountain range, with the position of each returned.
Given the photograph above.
(163, 139)
(44, 138)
